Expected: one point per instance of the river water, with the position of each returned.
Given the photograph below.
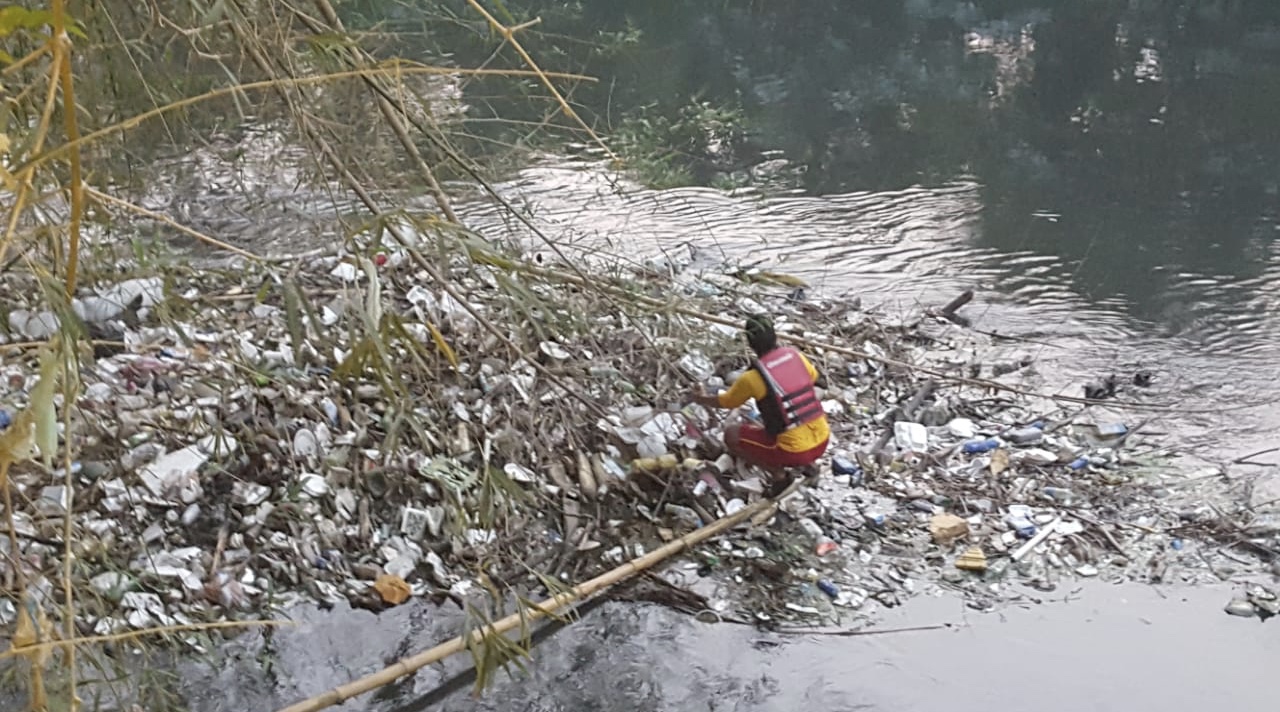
(1098, 647)
(1106, 179)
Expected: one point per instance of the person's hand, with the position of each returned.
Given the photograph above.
(698, 394)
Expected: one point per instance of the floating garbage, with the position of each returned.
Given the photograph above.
(372, 468)
(973, 559)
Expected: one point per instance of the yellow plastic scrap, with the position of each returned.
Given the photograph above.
(973, 559)
(392, 589)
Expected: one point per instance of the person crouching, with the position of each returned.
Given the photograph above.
(794, 429)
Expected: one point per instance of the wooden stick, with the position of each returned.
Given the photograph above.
(950, 309)
(1035, 541)
(409, 665)
(858, 633)
(1246, 459)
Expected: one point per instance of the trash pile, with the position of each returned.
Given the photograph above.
(1258, 601)
(352, 428)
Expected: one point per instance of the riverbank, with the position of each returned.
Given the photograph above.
(350, 428)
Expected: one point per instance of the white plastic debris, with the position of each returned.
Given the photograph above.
(1035, 455)
(519, 473)
(111, 585)
(313, 485)
(120, 295)
(476, 537)
(346, 271)
(53, 500)
(305, 444)
(1036, 540)
(249, 494)
(345, 502)
(413, 523)
(37, 325)
(697, 366)
(175, 475)
(911, 437)
(401, 565)
(962, 428)
(554, 350)
(652, 446)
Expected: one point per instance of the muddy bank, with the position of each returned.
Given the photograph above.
(1096, 646)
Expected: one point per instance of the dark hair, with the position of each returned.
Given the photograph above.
(760, 335)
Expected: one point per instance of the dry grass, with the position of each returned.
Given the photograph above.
(50, 191)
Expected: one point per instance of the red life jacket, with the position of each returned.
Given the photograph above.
(790, 399)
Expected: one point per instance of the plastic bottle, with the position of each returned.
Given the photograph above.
(1019, 519)
(844, 466)
(1058, 494)
(976, 446)
(1024, 436)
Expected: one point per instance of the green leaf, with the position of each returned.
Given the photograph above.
(42, 406)
(14, 18)
(215, 14)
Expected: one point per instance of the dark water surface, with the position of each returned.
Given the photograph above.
(1130, 647)
(1106, 175)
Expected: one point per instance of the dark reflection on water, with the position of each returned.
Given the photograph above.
(1133, 146)
(1100, 647)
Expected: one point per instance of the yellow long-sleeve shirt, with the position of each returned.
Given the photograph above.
(798, 439)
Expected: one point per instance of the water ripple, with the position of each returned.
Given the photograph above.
(920, 245)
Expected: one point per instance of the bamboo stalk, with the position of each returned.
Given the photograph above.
(72, 128)
(409, 665)
(160, 217)
(393, 118)
(509, 35)
(395, 68)
(635, 298)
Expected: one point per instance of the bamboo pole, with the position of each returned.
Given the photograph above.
(409, 665)
(674, 307)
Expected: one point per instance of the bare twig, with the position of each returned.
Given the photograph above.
(857, 633)
(1246, 459)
